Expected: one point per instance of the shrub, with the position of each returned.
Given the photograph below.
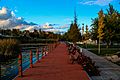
(9, 48)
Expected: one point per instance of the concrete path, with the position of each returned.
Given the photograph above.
(109, 71)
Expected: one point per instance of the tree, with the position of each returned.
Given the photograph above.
(100, 27)
(73, 33)
(82, 31)
(94, 29)
(111, 26)
(87, 34)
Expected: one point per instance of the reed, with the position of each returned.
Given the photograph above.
(9, 48)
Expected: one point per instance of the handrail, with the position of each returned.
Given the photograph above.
(21, 64)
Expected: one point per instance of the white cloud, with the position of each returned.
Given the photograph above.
(30, 28)
(9, 20)
(53, 30)
(64, 26)
(56, 28)
(27, 27)
(97, 2)
(46, 26)
(4, 23)
(5, 13)
(16, 10)
(12, 13)
(18, 27)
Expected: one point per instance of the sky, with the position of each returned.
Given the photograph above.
(53, 15)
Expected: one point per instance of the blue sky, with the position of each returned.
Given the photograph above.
(57, 11)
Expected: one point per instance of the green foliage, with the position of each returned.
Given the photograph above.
(87, 35)
(104, 51)
(73, 33)
(111, 25)
(111, 29)
(27, 36)
(94, 30)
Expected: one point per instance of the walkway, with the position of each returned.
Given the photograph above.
(55, 66)
(109, 71)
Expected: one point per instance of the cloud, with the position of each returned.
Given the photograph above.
(9, 20)
(5, 14)
(64, 26)
(27, 27)
(96, 2)
(46, 26)
(53, 30)
(53, 24)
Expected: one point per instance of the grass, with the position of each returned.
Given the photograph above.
(96, 46)
(104, 51)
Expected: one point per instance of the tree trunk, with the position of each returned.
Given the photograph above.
(107, 46)
(99, 47)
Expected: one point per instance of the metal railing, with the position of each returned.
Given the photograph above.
(26, 59)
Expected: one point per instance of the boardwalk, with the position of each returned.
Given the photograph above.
(55, 66)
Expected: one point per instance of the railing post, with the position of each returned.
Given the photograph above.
(43, 52)
(37, 54)
(20, 65)
(31, 62)
(50, 48)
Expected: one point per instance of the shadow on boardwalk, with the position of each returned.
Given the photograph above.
(55, 66)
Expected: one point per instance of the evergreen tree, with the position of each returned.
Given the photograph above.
(87, 34)
(74, 34)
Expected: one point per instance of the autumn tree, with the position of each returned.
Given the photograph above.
(111, 28)
(100, 27)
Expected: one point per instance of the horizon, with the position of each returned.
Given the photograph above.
(51, 15)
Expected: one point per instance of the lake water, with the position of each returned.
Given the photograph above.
(10, 71)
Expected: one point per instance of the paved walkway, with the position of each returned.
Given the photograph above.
(55, 66)
(109, 71)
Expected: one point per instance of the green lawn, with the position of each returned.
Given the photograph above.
(104, 51)
(96, 46)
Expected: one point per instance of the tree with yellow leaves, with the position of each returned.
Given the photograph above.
(100, 27)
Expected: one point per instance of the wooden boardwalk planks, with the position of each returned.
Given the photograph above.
(55, 66)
